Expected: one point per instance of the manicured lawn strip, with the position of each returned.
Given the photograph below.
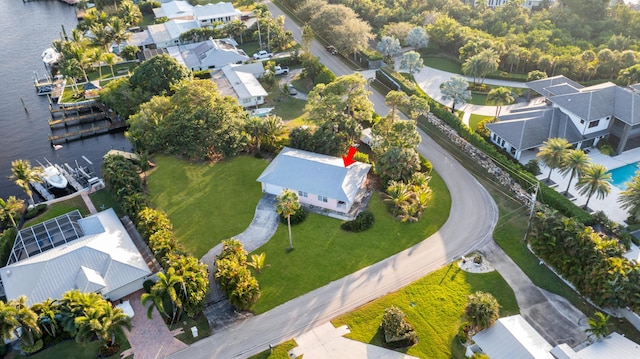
(104, 199)
(443, 63)
(71, 349)
(478, 98)
(58, 209)
(206, 202)
(324, 252)
(434, 305)
(187, 323)
(475, 119)
(509, 233)
(280, 351)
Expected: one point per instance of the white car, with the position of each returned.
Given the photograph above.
(262, 54)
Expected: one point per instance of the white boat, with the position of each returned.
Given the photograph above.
(53, 177)
(50, 56)
(261, 112)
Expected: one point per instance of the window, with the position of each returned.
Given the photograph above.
(322, 198)
(594, 123)
(581, 121)
(303, 194)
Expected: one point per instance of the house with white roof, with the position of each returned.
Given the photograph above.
(210, 54)
(319, 180)
(513, 337)
(168, 33)
(91, 254)
(208, 14)
(174, 10)
(582, 115)
(233, 81)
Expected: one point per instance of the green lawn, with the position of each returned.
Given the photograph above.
(71, 349)
(187, 323)
(434, 305)
(443, 63)
(475, 119)
(279, 352)
(206, 202)
(321, 244)
(58, 209)
(103, 199)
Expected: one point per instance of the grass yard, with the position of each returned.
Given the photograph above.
(434, 305)
(280, 351)
(58, 209)
(206, 202)
(71, 349)
(103, 199)
(475, 119)
(443, 63)
(321, 244)
(187, 323)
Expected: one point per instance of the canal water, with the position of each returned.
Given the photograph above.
(27, 29)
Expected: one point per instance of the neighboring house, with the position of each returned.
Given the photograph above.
(319, 180)
(92, 254)
(174, 10)
(582, 115)
(207, 55)
(142, 40)
(168, 33)
(223, 12)
(513, 337)
(244, 86)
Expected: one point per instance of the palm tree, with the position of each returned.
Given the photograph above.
(257, 261)
(471, 67)
(574, 163)
(75, 304)
(629, 199)
(169, 285)
(119, 33)
(399, 194)
(103, 322)
(110, 59)
(95, 55)
(595, 180)
(10, 207)
(395, 99)
(482, 310)
(47, 312)
(129, 13)
(28, 321)
(489, 62)
(8, 321)
(552, 153)
(455, 89)
(287, 205)
(598, 325)
(500, 96)
(22, 174)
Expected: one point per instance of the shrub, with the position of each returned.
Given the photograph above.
(296, 218)
(36, 211)
(361, 157)
(425, 165)
(7, 238)
(364, 220)
(324, 77)
(147, 284)
(605, 148)
(398, 332)
(203, 74)
(533, 167)
(33, 348)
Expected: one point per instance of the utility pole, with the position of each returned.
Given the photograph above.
(534, 196)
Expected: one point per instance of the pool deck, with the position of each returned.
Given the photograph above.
(609, 204)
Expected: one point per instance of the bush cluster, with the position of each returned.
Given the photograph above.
(234, 277)
(296, 218)
(364, 220)
(398, 332)
(36, 347)
(35, 211)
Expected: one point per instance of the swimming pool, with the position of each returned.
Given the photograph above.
(623, 174)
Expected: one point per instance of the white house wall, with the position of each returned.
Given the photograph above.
(583, 125)
(311, 199)
(125, 289)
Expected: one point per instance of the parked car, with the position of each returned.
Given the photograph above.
(291, 90)
(262, 54)
(332, 50)
(279, 70)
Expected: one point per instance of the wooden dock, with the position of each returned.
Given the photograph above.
(68, 117)
(75, 120)
(43, 191)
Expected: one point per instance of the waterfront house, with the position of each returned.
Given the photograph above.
(174, 10)
(319, 180)
(168, 33)
(210, 54)
(208, 14)
(234, 81)
(92, 254)
(582, 115)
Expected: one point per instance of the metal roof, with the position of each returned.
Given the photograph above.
(513, 337)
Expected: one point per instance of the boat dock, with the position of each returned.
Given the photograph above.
(48, 86)
(73, 119)
(78, 178)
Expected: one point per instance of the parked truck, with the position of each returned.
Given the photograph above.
(280, 70)
(262, 54)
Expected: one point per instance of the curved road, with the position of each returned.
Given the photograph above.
(470, 225)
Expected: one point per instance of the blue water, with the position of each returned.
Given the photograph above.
(28, 29)
(624, 174)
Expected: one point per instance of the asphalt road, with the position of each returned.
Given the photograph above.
(470, 225)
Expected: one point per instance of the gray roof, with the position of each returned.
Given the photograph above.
(627, 106)
(540, 86)
(513, 337)
(315, 173)
(525, 130)
(171, 30)
(104, 259)
(207, 54)
(174, 10)
(210, 11)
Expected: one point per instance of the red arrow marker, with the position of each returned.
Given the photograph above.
(348, 160)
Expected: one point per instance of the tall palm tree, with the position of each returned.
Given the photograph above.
(47, 312)
(95, 55)
(119, 33)
(8, 321)
(574, 163)
(28, 321)
(129, 13)
(482, 310)
(22, 173)
(629, 199)
(10, 207)
(172, 286)
(552, 153)
(595, 180)
(287, 205)
(455, 89)
(500, 96)
(395, 99)
(110, 59)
